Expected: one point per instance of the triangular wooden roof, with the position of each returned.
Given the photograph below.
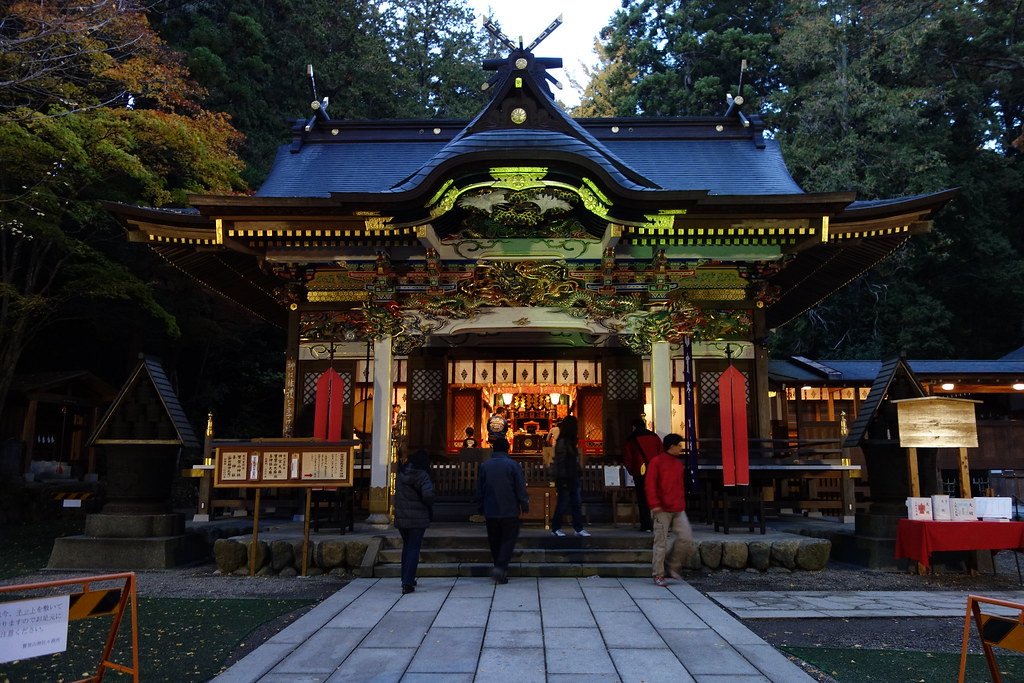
(146, 411)
(891, 371)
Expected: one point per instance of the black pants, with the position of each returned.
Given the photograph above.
(502, 534)
(641, 503)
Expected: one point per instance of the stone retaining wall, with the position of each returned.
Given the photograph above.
(337, 557)
(284, 558)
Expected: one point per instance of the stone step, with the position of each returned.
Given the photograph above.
(547, 555)
(528, 555)
(545, 542)
(520, 569)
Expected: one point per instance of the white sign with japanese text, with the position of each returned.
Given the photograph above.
(31, 628)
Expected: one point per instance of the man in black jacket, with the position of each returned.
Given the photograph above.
(501, 496)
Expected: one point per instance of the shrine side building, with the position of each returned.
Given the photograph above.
(604, 267)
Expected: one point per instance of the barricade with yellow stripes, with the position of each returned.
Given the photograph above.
(999, 630)
(93, 600)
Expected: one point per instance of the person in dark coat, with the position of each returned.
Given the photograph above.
(566, 472)
(414, 502)
(501, 496)
(641, 447)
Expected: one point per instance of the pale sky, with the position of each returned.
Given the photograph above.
(573, 41)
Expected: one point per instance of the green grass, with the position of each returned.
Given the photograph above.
(180, 640)
(26, 547)
(854, 665)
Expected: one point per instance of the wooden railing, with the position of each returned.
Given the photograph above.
(459, 479)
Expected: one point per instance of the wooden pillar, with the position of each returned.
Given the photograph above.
(762, 423)
(661, 387)
(291, 373)
(380, 447)
(965, 475)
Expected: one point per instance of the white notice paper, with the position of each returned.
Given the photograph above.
(31, 628)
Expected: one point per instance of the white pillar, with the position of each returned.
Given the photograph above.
(661, 387)
(380, 443)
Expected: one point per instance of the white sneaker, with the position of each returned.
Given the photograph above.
(558, 532)
(582, 532)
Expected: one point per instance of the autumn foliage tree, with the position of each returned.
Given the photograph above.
(93, 106)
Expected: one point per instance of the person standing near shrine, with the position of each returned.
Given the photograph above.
(497, 425)
(641, 447)
(565, 470)
(414, 504)
(501, 496)
(666, 494)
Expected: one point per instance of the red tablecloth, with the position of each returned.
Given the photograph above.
(918, 539)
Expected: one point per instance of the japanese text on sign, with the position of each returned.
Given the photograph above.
(31, 628)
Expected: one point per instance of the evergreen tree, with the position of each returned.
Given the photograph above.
(406, 59)
(687, 55)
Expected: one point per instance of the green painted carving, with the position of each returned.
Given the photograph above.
(384, 321)
(727, 325)
(519, 177)
(467, 248)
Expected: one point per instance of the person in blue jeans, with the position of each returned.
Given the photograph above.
(565, 469)
(414, 502)
(500, 497)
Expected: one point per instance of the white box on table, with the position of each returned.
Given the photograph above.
(994, 507)
(919, 508)
(962, 510)
(940, 508)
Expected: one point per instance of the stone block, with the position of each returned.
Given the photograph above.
(229, 555)
(734, 554)
(330, 554)
(282, 554)
(134, 526)
(759, 555)
(813, 555)
(711, 554)
(784, 553)
(354, 553)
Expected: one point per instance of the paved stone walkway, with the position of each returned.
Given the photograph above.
(821, 604)
(531, 629)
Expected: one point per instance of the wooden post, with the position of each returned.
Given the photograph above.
(965, 476)
(305, 531)
(847, 496)
(255, 535)
(915, 480)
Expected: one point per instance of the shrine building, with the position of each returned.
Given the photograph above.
(604, 267)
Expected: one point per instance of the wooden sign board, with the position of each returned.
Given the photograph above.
(265, 464)
(937, 422)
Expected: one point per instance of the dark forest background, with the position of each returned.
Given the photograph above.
(145, 104)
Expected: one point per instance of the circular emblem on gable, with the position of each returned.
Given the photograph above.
(521, 63)
(518, 115)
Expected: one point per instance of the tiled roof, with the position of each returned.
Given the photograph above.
(860, 371)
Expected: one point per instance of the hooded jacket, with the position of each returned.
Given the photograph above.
(414, 496)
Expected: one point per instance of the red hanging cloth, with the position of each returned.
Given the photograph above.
(732, 403)
(330, 401)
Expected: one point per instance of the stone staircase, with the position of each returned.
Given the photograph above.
(535, 555)
(461, 550)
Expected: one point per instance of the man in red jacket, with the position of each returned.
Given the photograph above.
(641, 447)
(666, 495)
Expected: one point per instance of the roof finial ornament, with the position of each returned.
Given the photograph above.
(736, 102)
(520, 58)
(318, 106)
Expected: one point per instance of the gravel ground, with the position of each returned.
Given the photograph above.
(925, 634)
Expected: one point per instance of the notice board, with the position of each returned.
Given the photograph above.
(264, 464)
